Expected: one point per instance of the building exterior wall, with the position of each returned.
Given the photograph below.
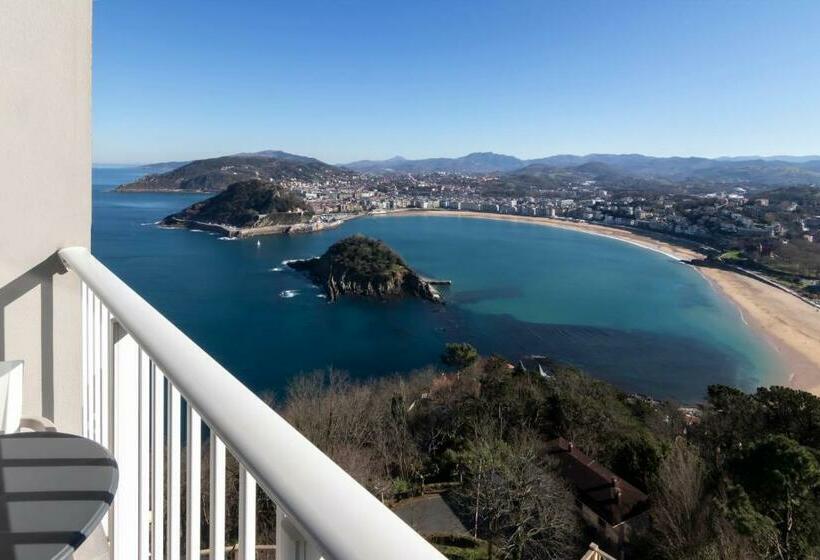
(45, 196)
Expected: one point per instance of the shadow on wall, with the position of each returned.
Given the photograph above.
(42, 276)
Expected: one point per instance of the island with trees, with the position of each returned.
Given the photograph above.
(362, 266)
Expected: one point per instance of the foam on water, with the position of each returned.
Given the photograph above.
(288, 293)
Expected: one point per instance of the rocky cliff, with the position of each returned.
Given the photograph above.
(365, 267)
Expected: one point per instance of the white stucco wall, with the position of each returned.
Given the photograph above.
(45, 195)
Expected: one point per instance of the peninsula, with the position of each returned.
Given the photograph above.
(248, 208)
(362, 266)
(217, 174)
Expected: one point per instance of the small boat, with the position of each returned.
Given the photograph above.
(258, 243)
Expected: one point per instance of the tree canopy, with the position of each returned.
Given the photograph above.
(459, 355)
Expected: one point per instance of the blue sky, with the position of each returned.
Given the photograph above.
(346, 80)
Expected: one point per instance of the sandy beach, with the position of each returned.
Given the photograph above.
(789, 324)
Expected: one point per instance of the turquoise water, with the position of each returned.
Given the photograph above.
(634, 317)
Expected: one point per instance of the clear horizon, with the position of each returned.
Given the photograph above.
(361, 80)
(743, 156)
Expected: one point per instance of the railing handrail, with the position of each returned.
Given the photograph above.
(344, 519)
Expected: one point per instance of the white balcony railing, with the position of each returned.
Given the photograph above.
(139, 373)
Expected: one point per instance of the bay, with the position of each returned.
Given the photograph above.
(634, 317)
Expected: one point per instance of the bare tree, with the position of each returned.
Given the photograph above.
(519, 502)
(679, 514)
(356, 425)
(686, 521)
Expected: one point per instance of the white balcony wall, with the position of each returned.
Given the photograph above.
(45, 196)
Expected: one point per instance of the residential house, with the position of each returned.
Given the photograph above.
(614, 507)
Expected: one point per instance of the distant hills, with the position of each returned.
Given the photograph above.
(278, 154)
(479, 162)
(162, 167)
(788, 170)
(791, 159)
(615, 170)
(216, 174)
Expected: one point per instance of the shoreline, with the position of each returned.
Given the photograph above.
(791, 326)
(244, 233)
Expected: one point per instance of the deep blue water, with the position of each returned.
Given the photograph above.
(634, 317)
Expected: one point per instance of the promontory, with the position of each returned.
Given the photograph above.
(247, 208)
(367, 267)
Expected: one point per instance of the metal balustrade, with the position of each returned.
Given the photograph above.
(139, 374)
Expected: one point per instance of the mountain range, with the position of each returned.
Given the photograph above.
(787, 170)
(478, 162)
(615, 170)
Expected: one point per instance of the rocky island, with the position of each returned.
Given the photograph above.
(248, 208)
(362, 266)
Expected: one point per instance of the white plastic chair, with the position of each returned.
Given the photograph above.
(11, 396)
(11, 403)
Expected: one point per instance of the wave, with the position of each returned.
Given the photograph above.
(225, 238)
(288, 293)
(323, 296)
(196, 230)
(286, 262)
(151, 223)
(277, 269)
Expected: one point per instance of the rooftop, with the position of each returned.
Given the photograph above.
(611, 497)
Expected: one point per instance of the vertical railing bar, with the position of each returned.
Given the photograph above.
(87, 381)
(107, 409)
(247, 515)
(105, 383)
(216, 534)
(89, 349)
(85, 377)
(193, 491)
(144, 457)
(92, 366)
(124, 368)
(97, 342)
(157, 469)
(173, 470)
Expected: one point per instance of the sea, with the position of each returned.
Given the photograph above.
(634, 317)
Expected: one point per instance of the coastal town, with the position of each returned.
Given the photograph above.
(733, 213)
(775, 232)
